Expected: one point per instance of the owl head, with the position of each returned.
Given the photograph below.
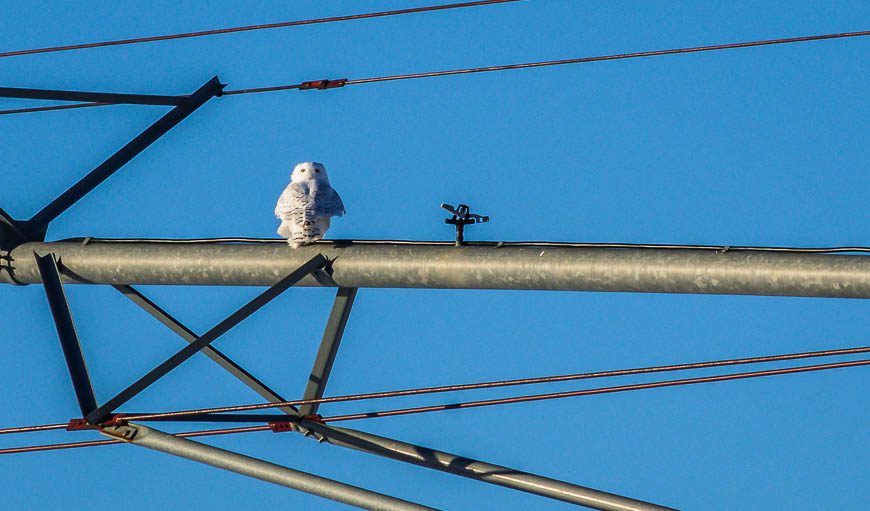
(309, 171)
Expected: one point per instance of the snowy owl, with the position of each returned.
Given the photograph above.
(306, 205)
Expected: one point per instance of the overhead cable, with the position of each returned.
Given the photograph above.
(475, 404)
(655, 53)
(479, 385)
(589, 392)
(506, 383)
(330, 84)
(93, 443)
(247, 28)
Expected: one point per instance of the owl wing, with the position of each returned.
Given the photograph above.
(328, 202)
(293, 200)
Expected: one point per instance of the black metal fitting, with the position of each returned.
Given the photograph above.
(462, 216)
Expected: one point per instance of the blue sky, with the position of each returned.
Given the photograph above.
(764, 146)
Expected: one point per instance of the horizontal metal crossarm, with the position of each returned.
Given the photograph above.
(99, 97)
(220, 359)
(66, 331)
(143, 436)
(474, 266)
(101, 413)
(37, 225)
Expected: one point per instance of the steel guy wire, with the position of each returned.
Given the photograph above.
(480, 385)
(589, 392)
(489, 402)
(247, 28)
(330, 84)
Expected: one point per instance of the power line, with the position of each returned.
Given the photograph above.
(475, 404)
(478, 386)
(283, 24)
(329, 84)
(589, 392)
(506, 383)
(93, 443)
(656, 53)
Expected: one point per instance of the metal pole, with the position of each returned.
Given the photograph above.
(37, 225)
(66, 331)
(479, 470)
(419, 265)
(213, 353)
(332, 335)
(205, 339)
(143, 436)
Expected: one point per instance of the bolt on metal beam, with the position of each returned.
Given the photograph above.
(66, 332)
(332, 335)
(143, 436)
(188, 351)
(433, 266)
(213, 353)
(479, 470)
(37, 225)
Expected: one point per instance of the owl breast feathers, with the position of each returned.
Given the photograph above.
(307, 204)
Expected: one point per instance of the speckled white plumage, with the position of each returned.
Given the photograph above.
(307, 204)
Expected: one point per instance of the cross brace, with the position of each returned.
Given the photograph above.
(104, 411)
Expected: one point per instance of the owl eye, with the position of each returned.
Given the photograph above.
(302, 170)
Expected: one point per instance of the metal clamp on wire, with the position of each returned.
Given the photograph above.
(322, 84)
(462, 216)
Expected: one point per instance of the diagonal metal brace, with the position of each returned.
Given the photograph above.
(204, 340)
(35, 227)
(332, 335)
(222, 360)
(66, 331)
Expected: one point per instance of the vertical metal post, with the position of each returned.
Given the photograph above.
(222, 360)
(479, 470)
(66, 331)
(137, 434)
(188, 351)
(332, 335)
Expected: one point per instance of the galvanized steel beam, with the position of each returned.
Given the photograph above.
(479, 266)
(480, 470)
(143, 436)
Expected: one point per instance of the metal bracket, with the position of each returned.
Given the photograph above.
(123, 432)
(322, 84)
(462, 216)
